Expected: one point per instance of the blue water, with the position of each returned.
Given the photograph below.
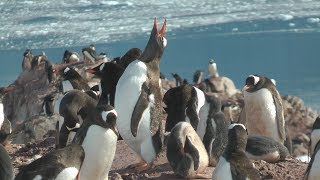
(278, 39)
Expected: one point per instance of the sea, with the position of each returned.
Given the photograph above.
(279, 39)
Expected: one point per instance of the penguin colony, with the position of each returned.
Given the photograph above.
(129, 103)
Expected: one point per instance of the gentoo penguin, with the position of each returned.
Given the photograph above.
(27, 59)
(89, 54)
(75, 106)
(186, 153)
(178, 79)
(312, 172)
(36, 60)
(73, 80)
(263, 110)
(265, 148)
(6, 168)
(131, 55)
(70, 56)
(183, 103)
(138, 101)
(198, 77)
(213, 129)
(234, 164)
(212, 69)
(98, 137)
(61, 164)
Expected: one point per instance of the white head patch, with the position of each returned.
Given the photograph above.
(256, 79)
(104, 114)
(164, 42)
(73, 56)
(66, 70)
(236, 124)
(273, 81)
(75, 127)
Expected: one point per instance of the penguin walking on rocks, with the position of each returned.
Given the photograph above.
(138, 101)
(186, 153)
(75, 106)
(234, 164)
(312, 172)
(6, 168)
(265, 148)
(59, 164)
(183, 103)
(263, 110)
(98, 137)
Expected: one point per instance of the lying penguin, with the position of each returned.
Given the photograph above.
(60, 164)
(234, 164)
(265, 148)
(98, 137)
(186, 153)
(313, 172)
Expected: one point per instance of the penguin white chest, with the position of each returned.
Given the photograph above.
(261, 113)
(69, 173)
(203, 115)
(99, 146)
(314, 172)
(222, 171)
(127, 94)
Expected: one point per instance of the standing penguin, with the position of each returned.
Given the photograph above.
(61, 164)
(27, 59)
(6, 168)
(183, 103)
(213, 129)
(98, 137)
(138, 101)
(75, 106)
(73, 80)
(263, 110)
(234, 164)
(313, 172)
(186, 153)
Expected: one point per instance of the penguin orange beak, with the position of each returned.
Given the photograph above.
(246, 87)
(91, 71)
(162, 32)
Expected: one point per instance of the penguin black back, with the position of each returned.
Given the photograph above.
(76, 80)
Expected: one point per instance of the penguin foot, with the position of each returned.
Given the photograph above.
(143, 167)
(133, 166)
(199, 176)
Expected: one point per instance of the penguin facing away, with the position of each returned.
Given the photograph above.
(263, 110)
(98, 137)
(75, 106)
(265, 148)
(186, 153)
(234, 164)
(61, 164)
(183, 103)
(131, 55)
(6, 168)
(312, 172)
(138, 101)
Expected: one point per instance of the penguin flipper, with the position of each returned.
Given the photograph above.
(279, 114)
(139, 108)
(191, 112)
(192, 150)
(209, 137)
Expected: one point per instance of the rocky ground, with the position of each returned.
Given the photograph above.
(36, 134)
(299, 120)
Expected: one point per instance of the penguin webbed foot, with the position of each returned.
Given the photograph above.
(133, 166)
(199, 176)
(144, 167)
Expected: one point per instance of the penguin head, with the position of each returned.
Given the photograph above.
(198, 77)
(160, 36)
(27, 53)
(237, 136)
(131, 55)
(256, 82)
(70, 73)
